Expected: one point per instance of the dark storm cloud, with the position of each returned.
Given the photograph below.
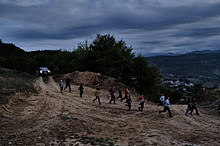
(149, 26)
(200, 32)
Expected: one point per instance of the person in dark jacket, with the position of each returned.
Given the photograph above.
(194, 102)
(112, 92)
(81, 90)
(128, 102)
(189, 106)
(68, 81)
(120, 93)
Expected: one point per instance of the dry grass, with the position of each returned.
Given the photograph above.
(12, 82)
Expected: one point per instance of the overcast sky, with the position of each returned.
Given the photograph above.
(149, 26)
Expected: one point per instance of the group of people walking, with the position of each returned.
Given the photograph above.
(111, 94)
(68, 81)
(191, 106)
(165, 101)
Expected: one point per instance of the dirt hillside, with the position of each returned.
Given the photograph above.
(210, 99)
(48, 117)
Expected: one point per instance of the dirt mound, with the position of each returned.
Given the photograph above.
(90, 79)
(209, 99)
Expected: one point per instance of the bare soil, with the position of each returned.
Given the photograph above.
(48, 117)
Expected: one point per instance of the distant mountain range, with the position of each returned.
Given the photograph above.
(198, 66)
(177, 54)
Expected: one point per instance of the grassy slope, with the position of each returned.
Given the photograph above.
(12, 82)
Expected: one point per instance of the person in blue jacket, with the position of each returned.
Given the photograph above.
(166, 107)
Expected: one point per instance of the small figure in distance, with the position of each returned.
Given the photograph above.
(68, 81)
(128, 102)
(120, 93)
(126, 93)
(61, 86)
(189, 108)
(97, 87)
(97, 95)
(194, 102)
(81, 90)
(141, 103)
(112, 92)
(162, 99)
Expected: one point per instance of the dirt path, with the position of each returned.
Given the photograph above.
(47, 117)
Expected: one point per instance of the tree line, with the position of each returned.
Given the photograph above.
(104, 55)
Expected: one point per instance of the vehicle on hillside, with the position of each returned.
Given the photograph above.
(43, 71)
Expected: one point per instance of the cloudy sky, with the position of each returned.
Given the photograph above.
(149, 26)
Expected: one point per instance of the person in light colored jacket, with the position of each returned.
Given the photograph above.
(61, 86)
(166, 107)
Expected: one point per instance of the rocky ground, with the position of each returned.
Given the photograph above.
(45, 116)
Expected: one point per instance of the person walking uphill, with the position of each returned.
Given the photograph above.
(68, 81)
(166, 107)
(194, 102)
(120, 93)
(189, 106)
(81, 90)
(97, 95)
(141, 103)
(126, 94)
(128, 103)
(61, 86)
(112, 92)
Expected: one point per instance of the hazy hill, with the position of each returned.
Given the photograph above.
(200, 67)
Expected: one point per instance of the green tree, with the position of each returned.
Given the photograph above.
(175, 96)
(107, 56)
(148, 77)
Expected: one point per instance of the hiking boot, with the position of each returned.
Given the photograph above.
(159, 112)
(171, 116)
(185, 114)
(197, 113)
